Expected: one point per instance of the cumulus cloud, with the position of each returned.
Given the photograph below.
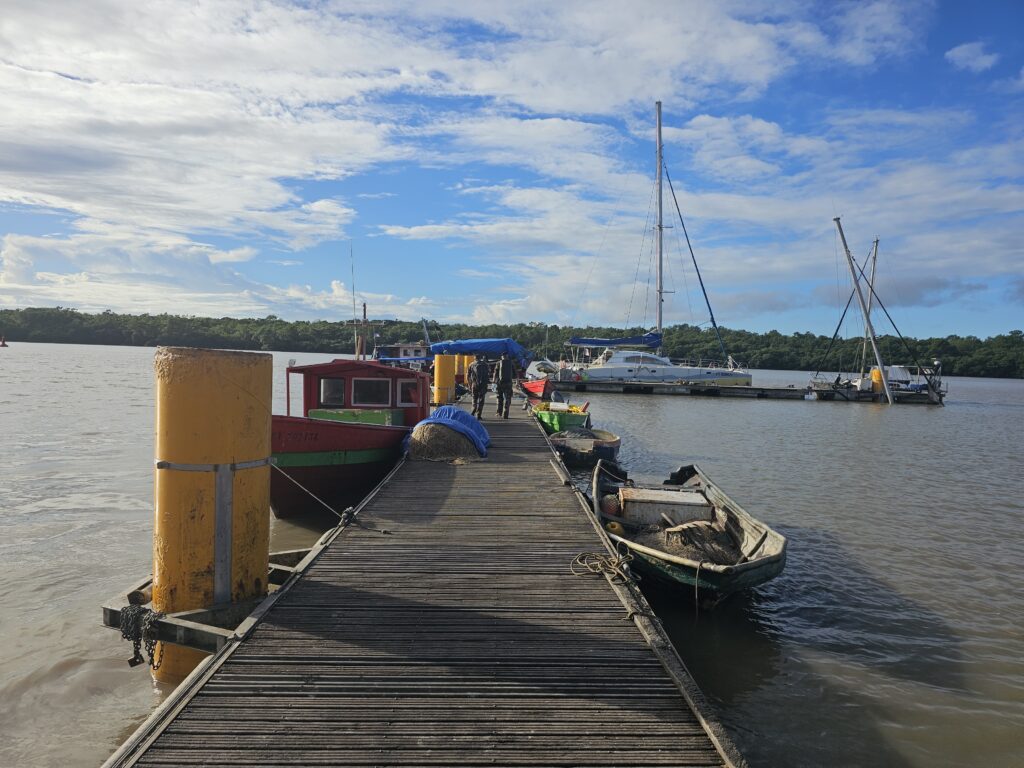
(971, 57)
(183, 142)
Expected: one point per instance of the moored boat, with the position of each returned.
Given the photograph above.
(688, 533)
(581, 447)
(355, 415)
(538, 389)
(557, 417)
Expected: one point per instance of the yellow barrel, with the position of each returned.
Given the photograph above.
(211, 530)
(444, 379)
(876, 381)
(460, 368)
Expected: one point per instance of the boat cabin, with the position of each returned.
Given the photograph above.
(362, 391)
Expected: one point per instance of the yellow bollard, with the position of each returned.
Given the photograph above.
(444, 379)
(211, 530)
(460, 367)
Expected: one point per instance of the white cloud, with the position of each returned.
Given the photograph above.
(160, 127)
(1013, 84)
(971, 57)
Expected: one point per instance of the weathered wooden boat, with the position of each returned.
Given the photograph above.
(356, 413)
(687, 533)
(580, 447)
(557, 417)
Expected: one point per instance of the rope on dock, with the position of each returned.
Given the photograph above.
(588, 563)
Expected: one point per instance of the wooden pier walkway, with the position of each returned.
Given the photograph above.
(458, 638)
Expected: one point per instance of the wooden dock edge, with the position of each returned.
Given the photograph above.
(140, 740)
(636, 605)
(650, 626)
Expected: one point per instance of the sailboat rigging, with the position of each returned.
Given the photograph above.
(620, 365)
(891, 380)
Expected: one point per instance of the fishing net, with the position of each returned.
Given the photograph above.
(436, 442)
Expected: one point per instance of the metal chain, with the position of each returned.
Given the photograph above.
(138, 625)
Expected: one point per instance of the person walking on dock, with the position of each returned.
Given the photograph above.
(479, 381)
(504, 374)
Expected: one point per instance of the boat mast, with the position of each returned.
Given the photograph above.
(355, 329)
(660, 283)
(871, 296)
(866, 311)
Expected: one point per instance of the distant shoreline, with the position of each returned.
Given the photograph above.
(1000, 356)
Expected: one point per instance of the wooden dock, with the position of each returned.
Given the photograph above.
(445, 628)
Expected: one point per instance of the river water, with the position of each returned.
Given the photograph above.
(894, 637)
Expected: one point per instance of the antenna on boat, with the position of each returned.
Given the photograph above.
(866, 311)
(355, 329)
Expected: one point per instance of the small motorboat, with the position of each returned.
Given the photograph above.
(581, 447)
(687, 533)
(538, 389)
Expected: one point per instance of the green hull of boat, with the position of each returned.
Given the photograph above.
(559, 421)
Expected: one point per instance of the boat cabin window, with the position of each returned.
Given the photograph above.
(332, 393)
(408, 392)
(375, 392)
(643, 360)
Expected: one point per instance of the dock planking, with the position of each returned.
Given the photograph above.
(445, 628)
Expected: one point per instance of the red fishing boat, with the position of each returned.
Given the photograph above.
(539, 389)
(355, 414)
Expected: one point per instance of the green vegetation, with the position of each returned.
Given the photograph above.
(998, 356)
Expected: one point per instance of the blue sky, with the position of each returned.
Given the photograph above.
(496, 163)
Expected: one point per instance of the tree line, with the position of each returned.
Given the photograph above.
(996, 356)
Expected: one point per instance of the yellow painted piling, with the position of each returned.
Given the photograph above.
(212, 420)
(444, 379)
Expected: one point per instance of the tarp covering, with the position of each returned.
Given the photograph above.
(463, 423)
(490, 347)
(649, 339)
(402, 359)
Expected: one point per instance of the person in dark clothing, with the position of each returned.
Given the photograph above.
(479, 381)
(504, 374)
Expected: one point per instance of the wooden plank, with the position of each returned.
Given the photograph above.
(458, 637)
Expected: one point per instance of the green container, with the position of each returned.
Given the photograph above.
(388, 417)
(557, 421)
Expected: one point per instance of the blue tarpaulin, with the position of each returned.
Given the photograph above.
(463, 423)
(649, 339)
(490, 347)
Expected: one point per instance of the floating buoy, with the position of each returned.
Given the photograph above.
(616, 528)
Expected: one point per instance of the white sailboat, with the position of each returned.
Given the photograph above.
(631, 361)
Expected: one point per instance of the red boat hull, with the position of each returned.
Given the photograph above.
(337, 462)
(537, 388)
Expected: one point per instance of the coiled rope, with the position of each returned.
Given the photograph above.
(593, 563)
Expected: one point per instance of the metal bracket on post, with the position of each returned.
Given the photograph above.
(224, 484)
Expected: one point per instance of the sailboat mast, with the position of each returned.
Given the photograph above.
(867, 314)
(660, 284)
(355, 329)
(871, 296)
